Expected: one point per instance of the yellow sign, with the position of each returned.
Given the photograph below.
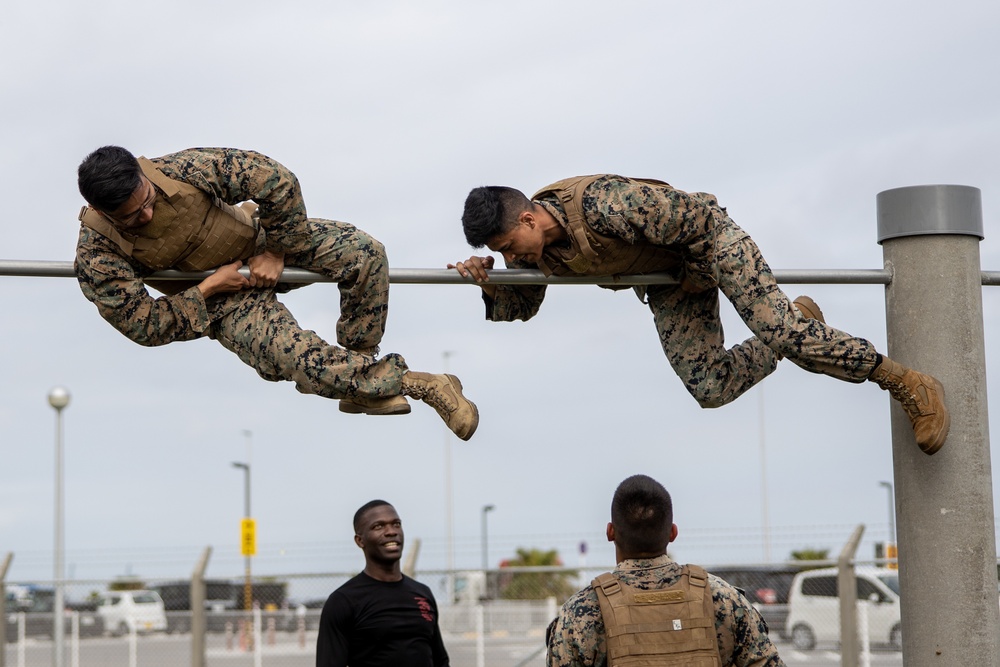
(248, 537)
(891, 552)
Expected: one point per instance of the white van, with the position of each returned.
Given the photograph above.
(132, 611)
(814, 607)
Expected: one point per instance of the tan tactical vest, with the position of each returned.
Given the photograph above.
(593, 254)
(669, 626)
(190, 229)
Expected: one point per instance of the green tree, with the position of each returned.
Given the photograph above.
(127, 584)
(536, 585)
(811, 554)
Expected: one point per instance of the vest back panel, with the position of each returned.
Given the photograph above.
(667, 627)
(594, 254)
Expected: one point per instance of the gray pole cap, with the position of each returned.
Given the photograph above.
(930, 209)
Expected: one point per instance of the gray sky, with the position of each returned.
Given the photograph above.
(795, 114)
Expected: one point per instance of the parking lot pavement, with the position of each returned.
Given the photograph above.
(161, 650)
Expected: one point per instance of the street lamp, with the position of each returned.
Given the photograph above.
(58, 399)
(890, 547)
(486, 542)
(449, 500)
(247, 547)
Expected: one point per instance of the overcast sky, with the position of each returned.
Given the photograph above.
(795, 114)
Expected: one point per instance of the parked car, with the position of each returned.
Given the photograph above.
(814, 607)
(766, 586)
(37, 603)
(132, 611)
(224, 603)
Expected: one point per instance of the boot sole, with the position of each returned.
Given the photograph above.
(809, 308)
(475, 410)
(932, 447)
(356, 409)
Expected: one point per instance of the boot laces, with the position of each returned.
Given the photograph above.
(432, 395)
(908, 399)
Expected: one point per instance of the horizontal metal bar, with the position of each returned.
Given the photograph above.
(52, 269)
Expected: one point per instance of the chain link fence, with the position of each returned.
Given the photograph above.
(491, 618)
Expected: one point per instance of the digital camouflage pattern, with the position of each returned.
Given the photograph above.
(253, 323)
(717, 253)
(576, 638)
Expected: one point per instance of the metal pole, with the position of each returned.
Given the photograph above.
(55, 269)
(934, 322)
(486, 542)
(248, 581)
(4, 565)
(764, 514)
(892, 516)
(847, 589)
(59, 399)
(198, 621)
(449, 501)
(248, 585)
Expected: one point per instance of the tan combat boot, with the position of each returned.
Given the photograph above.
(444, 394)
(809, 309)
(922, 396)
(390, 405)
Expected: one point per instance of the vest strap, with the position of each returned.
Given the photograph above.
(164, 183)
(94, 219)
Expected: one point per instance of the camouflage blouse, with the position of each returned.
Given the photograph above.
(637, 213)
(114, 282)
(576, 637)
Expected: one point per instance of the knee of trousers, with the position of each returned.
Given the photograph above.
(372, 259)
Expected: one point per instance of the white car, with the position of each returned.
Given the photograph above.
(125, 612)
(814, 607)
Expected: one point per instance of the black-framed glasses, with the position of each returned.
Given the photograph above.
(130, 219)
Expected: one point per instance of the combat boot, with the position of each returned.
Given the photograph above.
(922, 396)
(808, 308)
(444, 394)
(373, 405)
(390, 405)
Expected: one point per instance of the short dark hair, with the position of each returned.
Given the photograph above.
(491, 210)
(642, 514)
(108, 177)
(360, 514)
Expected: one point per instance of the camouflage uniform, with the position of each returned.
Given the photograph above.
(253, 323)
(577, 636)
(715, 253)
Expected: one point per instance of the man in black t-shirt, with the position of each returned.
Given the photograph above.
(381, 617)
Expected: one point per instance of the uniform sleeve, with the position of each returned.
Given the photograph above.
(115, 286)
(576, 637)
(334, 628)
(743, 634)
(657, 214)
(234, 176)
(515, 302)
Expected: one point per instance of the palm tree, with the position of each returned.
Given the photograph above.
(536, 585)
(808, 554)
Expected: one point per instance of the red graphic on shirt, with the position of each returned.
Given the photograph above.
(426, 611)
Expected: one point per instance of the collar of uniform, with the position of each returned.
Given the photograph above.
(637, 564)
(550, 205)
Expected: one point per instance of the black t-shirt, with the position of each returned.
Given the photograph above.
(371, 623)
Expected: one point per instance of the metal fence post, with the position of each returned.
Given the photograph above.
(847, 589)
(4, 565)
(198, 624)
(944, 503)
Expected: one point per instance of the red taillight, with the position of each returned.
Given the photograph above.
(767, 595)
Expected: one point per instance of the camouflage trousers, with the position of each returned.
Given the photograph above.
(265, 335)
(692, 337)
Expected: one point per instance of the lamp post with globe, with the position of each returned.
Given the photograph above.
(59, 399)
